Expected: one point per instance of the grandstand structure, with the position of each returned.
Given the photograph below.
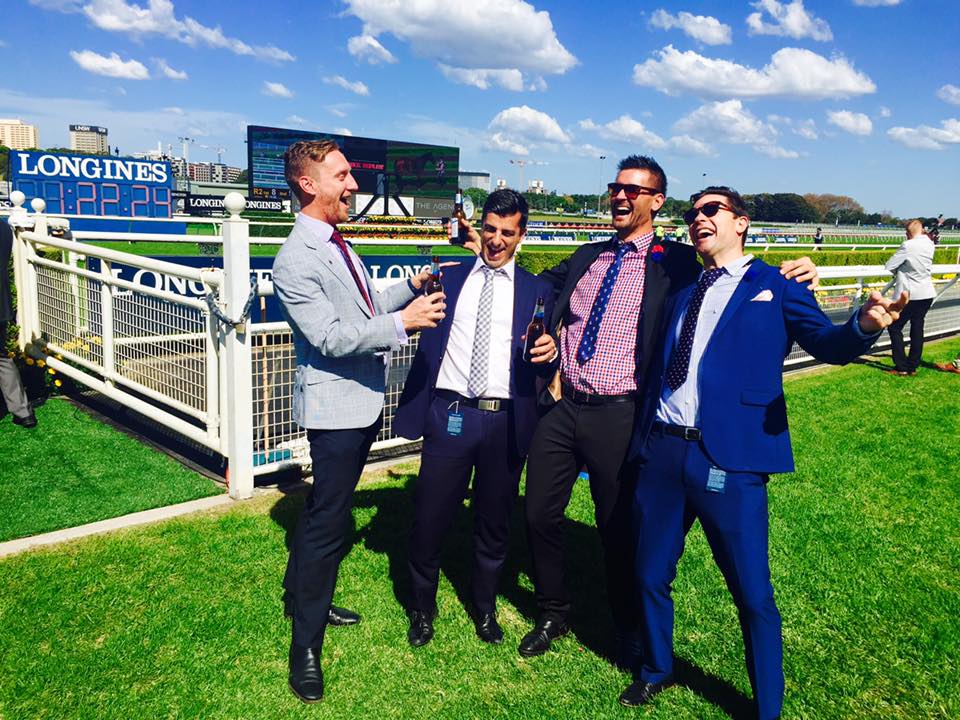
(202, 366)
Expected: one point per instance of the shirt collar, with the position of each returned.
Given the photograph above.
(321, 229)
(738, 268)
(506, 270)
(640, 242)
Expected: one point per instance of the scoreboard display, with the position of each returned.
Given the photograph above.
(421, 179)
(95, 185)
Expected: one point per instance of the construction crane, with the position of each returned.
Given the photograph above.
(522, 163)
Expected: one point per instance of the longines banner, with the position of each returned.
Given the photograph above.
(213, 205)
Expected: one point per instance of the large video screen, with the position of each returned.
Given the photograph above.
(399, 178)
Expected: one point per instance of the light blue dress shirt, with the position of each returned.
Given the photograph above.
(682, 406)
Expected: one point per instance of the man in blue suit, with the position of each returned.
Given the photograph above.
(472, 396)
(713, 426)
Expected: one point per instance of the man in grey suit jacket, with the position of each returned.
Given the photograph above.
(912, 265)
(343, 332)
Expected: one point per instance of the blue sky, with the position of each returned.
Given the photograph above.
(853, 97)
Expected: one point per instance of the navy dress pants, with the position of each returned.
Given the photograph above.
(484, 442)
(672, 489)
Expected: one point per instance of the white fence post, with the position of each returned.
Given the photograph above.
(19, 222)
(236, 341)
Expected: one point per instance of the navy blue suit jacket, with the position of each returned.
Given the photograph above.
(418, 392)
(743, 414)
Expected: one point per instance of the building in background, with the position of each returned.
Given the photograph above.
(89, 139)
(17, 135)
(536, 187)
(501, 183)
(475, 180)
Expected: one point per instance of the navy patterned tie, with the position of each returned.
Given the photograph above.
(680, 360)
(588, 343)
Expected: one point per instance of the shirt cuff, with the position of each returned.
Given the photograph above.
(858, 331)
(401, 332)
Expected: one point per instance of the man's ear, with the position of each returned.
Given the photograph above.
(306, 184)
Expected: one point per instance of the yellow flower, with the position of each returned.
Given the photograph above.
(57, 383)
(41, 363)
(29, 361)
(51, 371)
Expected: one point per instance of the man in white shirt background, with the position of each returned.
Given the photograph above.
(912, 264)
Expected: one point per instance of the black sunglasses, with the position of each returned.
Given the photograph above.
(708, 209)
(631, 191)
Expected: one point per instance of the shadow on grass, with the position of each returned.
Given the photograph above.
(387, 532)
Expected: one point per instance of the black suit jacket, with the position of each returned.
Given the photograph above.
(677, 267)
(6, 300)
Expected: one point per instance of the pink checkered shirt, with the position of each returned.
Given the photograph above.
(613, 368)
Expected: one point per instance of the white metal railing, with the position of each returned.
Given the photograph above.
(228, 385)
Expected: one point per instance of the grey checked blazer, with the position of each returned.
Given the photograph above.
(342, 351)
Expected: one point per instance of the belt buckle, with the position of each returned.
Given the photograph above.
(691, 433)
(488, 405)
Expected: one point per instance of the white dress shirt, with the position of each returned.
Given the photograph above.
(682, 406)
(324, 231)
(455, 366)
(913, 263)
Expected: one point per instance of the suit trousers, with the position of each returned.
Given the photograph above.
(485, 443)
(568, 437)
(11, 387)
(671, 490)
(320, 540)
(914, 313)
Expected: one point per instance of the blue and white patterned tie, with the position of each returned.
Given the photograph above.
(588, 343)
(680, 359)
(479, 359)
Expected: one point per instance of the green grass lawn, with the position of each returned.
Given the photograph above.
(72, 469)
(183, 619)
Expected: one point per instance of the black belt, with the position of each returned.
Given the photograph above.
(680, 431)
(582, 398)
(485, 404)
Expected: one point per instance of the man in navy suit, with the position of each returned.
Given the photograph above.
(473, 398)
(713, 426)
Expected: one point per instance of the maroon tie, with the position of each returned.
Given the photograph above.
(342, 245)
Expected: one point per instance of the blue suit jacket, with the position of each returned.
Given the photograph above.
(418, 392)
(743, 414)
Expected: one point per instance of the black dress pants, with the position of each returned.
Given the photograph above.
(914, 313)
(320, 540)
(568, 437)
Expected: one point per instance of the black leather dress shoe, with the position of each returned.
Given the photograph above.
(29, 421)
(338, 617)
(640, 692)
(421, 627)
(538, 641)
(488, 629)
(306, 676)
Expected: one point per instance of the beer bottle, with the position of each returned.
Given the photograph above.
(433, 285)
(457, 236)
(535, 329)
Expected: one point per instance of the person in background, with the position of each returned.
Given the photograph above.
(11, 385)
(912, 264)
(818, 239)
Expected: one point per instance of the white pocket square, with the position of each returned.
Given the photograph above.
(762, 296)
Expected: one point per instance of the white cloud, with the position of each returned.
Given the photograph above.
(628, 130)
(355, 87)
(704, 28)
(925, 137)
(169, 72)
(483, 78)
(112, 66)
(789, 20)
(498, 142)
(876, 3)
(343, 131)
(884, 111)
(368, 49)
(949, 94)
(158, 18)
(298, 120)
(275, 89)
(337, 110)
(492, 35)
(792, 72)
(807, 129)
(854, 123)
(730, 122)
(525, 126)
